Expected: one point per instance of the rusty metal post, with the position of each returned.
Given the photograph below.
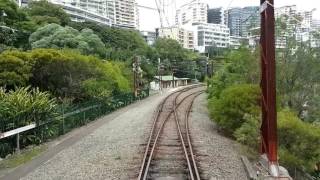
(268, 86)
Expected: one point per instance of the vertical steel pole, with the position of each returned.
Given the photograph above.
(268, 85)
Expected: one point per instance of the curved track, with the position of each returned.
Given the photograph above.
(169, 152)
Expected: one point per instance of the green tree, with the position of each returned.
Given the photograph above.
(12, 12)
(7, 36)
(169, 49)
(16, 25)
(239, 67)
(43, 12)
(298, 70)
(122, 44)
(56, 36)
(174, 56)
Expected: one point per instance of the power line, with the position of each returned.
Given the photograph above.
(147, 7)
(231, 1)
(159, 12)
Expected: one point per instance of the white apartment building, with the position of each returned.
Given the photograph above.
(118, 13)
(286, 10)
(291, 12)
(210, 35)
(236, 41)
(86, 11)
(193, 12)
(301, 26)
(183, 36)
(126, 14)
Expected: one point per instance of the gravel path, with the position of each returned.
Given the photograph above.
(112, 151)
(217, 155)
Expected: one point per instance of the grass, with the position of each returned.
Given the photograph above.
(23, 157)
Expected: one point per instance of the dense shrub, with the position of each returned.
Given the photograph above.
(23, 106)
(236, 101)
(249, 132)
(299, 142)
(15, 69)
(64, 73)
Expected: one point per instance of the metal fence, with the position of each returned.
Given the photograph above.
(14, 137)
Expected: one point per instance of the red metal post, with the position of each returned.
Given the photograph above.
(268, 82)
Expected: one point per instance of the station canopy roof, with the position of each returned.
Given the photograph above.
(169, 78)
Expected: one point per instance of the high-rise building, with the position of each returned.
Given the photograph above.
(193, 12)
(183, 36)
(300, 20)
(216, 16)
(286, 10)
(149, 36)
(316, 23)
(241, 20)
(126, 14)
(102, 12)
(210, 35)
(298, 24)
(22, 3)
(118, 13)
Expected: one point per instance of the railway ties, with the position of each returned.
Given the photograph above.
(169, 153)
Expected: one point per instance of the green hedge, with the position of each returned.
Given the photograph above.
(234, 102)
(299, 142)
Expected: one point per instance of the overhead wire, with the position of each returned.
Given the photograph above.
(159, 12)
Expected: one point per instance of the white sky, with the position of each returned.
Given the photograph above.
(149, 19)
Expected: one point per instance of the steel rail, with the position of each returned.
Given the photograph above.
(192, 167)
(195, 167)
(158, 135)
(144, 167)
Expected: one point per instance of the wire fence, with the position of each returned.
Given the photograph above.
(66, 118)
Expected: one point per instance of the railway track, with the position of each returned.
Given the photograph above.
(169, 152)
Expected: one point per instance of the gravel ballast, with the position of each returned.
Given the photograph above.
(112, 151)
(216, 155)
(114, 148)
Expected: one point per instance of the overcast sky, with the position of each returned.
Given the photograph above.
(149, 19)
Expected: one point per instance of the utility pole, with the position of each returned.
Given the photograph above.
(172, 78)
(159, 73)
(268, 85)
(207, 64)
(135, 68)
(173, 69)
